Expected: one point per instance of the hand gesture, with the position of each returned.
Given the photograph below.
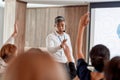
(63, 43)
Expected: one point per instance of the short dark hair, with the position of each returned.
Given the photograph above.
(99, 55)
(112, 69)
(7, 51)
(59, 19)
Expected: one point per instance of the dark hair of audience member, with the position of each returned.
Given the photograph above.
(99, 55)
(112, 69)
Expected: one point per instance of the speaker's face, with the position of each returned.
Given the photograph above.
(60, 26)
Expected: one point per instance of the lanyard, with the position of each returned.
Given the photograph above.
(60, 42)
(59, 37)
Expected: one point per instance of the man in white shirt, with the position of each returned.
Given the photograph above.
(55, 40)
(55, 43)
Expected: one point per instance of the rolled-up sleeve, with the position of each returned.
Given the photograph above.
(82, 70)
(73, 71)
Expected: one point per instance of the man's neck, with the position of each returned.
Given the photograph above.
(60, 33)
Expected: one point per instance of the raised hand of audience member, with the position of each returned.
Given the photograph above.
(14, 34)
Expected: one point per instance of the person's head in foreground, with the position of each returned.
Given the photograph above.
(99, 55)
(112, 69)
(35, 65)
(8, 52)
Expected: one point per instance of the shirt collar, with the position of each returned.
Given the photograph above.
(58, 34)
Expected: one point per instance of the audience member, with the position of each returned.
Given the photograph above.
(99, 55)
(112, 69)
(8, 51)
(35, 64)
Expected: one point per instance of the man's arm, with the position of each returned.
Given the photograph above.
(51, 45)
(71, 64)
(67, 52)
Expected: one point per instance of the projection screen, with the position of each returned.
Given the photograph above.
(104, 27)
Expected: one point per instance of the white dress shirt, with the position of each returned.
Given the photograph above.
(53, 42)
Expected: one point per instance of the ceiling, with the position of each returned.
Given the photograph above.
(48, 3)
(66, 2)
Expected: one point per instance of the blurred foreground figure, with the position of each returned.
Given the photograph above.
(8, 50)
(112, 70)
(35, 65)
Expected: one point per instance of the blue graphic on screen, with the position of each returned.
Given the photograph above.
(118, 31)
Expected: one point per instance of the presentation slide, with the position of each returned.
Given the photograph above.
(105, 29)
